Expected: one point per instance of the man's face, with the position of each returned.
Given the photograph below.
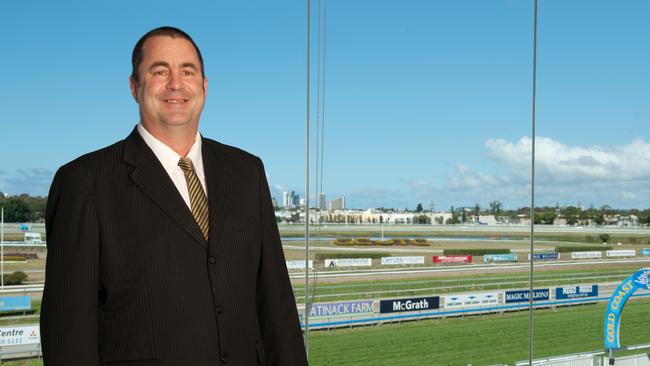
(171, 90)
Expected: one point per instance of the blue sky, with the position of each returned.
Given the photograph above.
(425, 100)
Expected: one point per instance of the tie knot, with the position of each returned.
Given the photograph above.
(186, 164)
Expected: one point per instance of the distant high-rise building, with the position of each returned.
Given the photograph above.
(286, 199)
(320, 202)
(336, 204)
(290, 199)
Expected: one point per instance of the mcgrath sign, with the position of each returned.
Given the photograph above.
(645, 251)
(574, 292)
(489, 258)
(524, 295)
(452, 259)
(10, 336)
(401, 260)
(640, 279)
(413, 304)
(545, 256)
(341, 309)
(462, 301)
(348, 262)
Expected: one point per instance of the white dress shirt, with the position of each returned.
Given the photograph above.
(169, 160)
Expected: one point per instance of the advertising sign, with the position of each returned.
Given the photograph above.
(524, 295)
(621, 253)
(470, 300)
(574, 292)
(583, 255)
(341, 309)
(29, 334)
(401, 260)
(299, 264)
(489, 258)
(12, 303)
(452, 259)
(645, 251)
(412, 304)
(348, 262)
(640, 279)
(545, 256)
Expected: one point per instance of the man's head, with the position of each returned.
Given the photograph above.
(168, 80)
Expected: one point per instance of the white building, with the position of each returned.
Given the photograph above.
(336, 204)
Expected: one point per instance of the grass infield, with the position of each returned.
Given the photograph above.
(479, 340)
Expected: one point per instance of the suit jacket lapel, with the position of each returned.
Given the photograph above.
(218, 176)
(150, 176)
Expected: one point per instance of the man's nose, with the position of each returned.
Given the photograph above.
(174, 81)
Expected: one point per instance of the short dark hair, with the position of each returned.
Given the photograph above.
(136, 57)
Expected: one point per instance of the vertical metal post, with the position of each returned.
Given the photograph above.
(306, 316)
(531, 296)
(2, 247)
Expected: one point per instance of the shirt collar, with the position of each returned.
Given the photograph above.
(168, 157)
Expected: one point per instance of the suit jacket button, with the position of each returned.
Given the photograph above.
(212, 260)
(219, 309)
(224, 358)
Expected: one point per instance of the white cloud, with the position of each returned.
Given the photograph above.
(556, 162)
(618, 175)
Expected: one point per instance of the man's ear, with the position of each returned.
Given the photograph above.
(205, 85)
(134, 88)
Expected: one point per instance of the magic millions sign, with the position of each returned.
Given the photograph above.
(640, 279)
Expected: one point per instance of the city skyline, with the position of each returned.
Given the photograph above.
(426, 101)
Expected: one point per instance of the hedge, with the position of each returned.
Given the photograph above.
(328, 255)
(475, 251)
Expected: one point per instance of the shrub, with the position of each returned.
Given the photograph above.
(343, 241)
(385, 242)
(604, 238)
(14, 258)
(475, 252)
(362, 241)
(420, 242)
(589, 239)
(16, 278)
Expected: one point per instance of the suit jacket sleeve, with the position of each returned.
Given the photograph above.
(276, 304)
(70, 298)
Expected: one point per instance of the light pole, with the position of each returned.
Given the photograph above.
(2, 247)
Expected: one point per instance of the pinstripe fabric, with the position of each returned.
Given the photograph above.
(198, 200)
(131, 281)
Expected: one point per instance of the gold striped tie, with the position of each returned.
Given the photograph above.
(198, 200)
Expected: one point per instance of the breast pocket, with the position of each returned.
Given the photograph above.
(242, 241)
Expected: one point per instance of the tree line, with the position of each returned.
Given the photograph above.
(23, 208)
(26, 208)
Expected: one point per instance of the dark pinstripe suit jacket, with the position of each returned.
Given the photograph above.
(131, 281)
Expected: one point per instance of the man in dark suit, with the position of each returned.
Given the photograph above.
(163, 248)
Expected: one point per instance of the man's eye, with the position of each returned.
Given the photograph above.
(187, 73)
(160, 73)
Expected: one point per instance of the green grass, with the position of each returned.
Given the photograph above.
(481, 340)
(29, 362)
